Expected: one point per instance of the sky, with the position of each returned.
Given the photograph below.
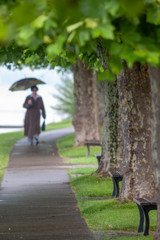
(11, 109)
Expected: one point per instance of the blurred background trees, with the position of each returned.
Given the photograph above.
(65, 98)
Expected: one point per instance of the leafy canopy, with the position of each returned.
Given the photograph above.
(42, 32)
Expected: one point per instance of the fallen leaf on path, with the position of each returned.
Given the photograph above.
(76, 208)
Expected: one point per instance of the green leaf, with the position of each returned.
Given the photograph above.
(84, 36)
(127, 53)
(153, 14)
(81, 56)
(39, 22)
(47, 39)
(92, 8)
(3, 30)
(141, 50)
(150, 56)
(115, 64)
(112, 7)
(103, 30)
(35, 42)
(115, 48)
(29, 60)
(132, 8)
(153, 57)
(107, 75)
(24, 13)
(56, 48)
(129, 33)
(25, 34)
(91, 23)
(71, 36)
(50, 24)
(74, 26)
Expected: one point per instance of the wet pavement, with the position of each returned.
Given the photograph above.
(36, 201)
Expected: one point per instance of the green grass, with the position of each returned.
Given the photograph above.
(58, 125)
(89, 186)
(133, 238)
(76, 155)
(113, 215)
(105, 214)
(7, 141)
(94, 195)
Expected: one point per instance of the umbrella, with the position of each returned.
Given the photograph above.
(25, 83)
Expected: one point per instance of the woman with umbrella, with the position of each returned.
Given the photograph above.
(34, 105)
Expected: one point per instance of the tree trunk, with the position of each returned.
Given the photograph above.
(85, 120)
(110, 128)
(120, 140)
(101, 100)
(135, 108)
(155, 87)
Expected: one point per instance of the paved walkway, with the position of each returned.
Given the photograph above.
(36, 201)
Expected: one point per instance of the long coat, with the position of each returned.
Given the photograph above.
(32, 117)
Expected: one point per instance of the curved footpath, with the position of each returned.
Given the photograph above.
(36, 201)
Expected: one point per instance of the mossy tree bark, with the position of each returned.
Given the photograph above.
(110, 128)
(155, 89)
(135, 108)
(85, 120)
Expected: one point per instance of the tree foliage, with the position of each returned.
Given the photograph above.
(58, 32)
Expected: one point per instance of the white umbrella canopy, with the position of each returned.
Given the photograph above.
(25, 83)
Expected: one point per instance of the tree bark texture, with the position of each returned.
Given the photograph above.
(101, 100)
(110, 128)
(155, 89)
(135, 108)
(85, 120)
(120, 140)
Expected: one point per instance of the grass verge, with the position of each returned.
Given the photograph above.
(74, 155)
(93, 193)
(7, 141)
(58, 125)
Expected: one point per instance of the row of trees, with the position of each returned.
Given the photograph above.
(115, 40)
